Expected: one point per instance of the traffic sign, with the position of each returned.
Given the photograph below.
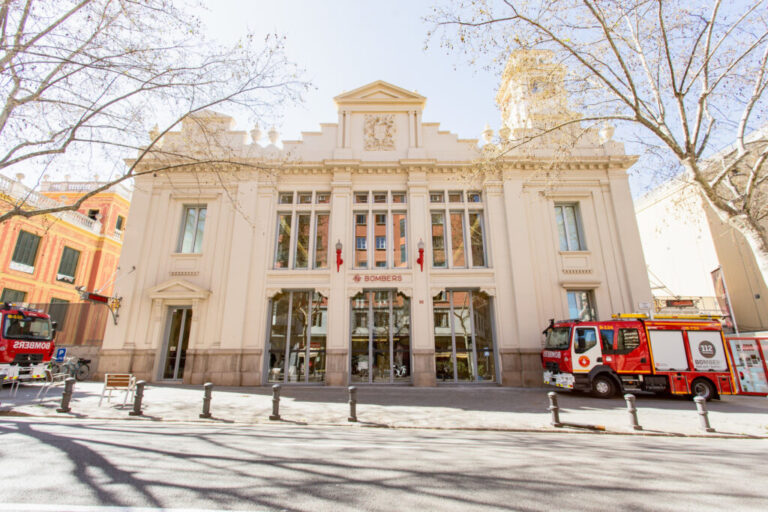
(61, 353)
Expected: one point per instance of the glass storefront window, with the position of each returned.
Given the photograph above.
(464, 348)
(301, 319)
(381, 333)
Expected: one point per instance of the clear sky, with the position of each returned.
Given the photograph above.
(344, 44)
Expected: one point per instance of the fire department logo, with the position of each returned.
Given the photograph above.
(357, 278)
(707, 349)
(584, 361)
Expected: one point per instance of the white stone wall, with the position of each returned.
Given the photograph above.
(230, 282)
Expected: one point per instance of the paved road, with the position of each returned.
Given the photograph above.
(293, 467)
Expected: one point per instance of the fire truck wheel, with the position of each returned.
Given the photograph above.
(704, 389)
(603, 387)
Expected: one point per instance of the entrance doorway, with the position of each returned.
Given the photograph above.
(176, 342)
(297, 335)
(381, 338)
(464, 348)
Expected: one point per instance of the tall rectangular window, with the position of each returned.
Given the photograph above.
(458, 232)
(581, 305)
(283, 245)
(25, 253)
(9, 295)
(457, 239)
(58, 311)
(380, 239)
(438, 240)
(399, 241)
(380, 231)
(301, 237)
(301, 256)
(191, 236)
(477, 239)
(120, 223)
(68, 265)
(321, 240)
(569, 227)
(361, 237)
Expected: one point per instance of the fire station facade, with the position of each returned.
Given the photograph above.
(376, 251)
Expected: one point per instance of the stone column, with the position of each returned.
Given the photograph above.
(337, 346)
(422, 342)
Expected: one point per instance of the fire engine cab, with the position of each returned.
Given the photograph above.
(681, 355)
(26, 343)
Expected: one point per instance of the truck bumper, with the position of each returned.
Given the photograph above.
(560, 380)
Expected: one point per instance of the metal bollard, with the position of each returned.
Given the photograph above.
(69, 386)
(352, 404)
(275, 403)
(554, 409)
(701, 407)
(137, 398)
(632, 410)
(207, 392)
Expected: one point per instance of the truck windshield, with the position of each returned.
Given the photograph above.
(22, 327)
(558, 338)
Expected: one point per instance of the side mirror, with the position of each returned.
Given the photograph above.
(55, 327)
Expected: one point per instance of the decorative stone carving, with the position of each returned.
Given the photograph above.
(379, 131)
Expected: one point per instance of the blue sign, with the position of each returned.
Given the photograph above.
(61, 353)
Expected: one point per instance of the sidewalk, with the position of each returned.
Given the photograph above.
(491, 408)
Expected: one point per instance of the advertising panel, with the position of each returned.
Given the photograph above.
(749, 364)
(707, 351)
(668, 350)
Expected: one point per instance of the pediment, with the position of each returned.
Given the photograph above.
(380, 92)
(178, 289)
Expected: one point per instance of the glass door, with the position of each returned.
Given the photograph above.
(380, 338)
(179, 321)
(464, 349)
(297, 337)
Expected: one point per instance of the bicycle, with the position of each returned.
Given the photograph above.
(79, 369)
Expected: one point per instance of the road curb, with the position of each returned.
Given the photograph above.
(363, 424)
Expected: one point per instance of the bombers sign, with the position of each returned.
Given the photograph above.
(34, 345)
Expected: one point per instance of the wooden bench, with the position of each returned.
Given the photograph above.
(118, 382)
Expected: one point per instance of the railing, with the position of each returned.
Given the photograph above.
(83, 186)
(34, 199)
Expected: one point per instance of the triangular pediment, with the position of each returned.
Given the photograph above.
(380, 92)
(178, 289)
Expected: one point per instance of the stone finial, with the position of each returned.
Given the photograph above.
(504, 133)
(19, 177)
(95, 176)
(273, 135)
(154, 132)
(487, 134)
(46, 177)
(67, 176)
(256, 134)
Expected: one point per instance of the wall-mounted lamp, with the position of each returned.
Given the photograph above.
(339, 261)
(420, 259)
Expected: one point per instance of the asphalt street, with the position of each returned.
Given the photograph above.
(75, 465)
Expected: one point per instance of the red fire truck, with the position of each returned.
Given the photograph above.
(665, 354)
(26, 343)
